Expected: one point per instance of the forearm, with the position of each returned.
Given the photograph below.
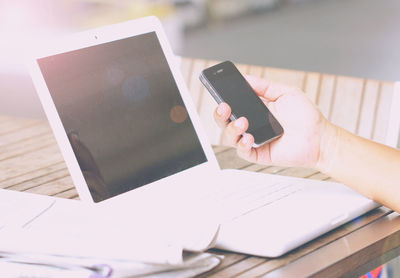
(370, 168)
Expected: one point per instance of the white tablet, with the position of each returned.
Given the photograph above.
(120, 110)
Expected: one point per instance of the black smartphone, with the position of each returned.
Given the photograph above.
(226, 84)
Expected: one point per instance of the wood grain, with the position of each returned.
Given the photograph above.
(256, 71)
(26, 146)
(48, 175)
(31, 161)
(288, 77)
(253, 269)
(186, 69)
(206, 109)
(48, 178)
(27, 176)
(359, 105)
(67, 194)
(325, 94)
(194, 85)
(53, 187)
(24, 133)
(382, 112)
(16, 124)
(346, 102)
(367, 109)
(312, 85)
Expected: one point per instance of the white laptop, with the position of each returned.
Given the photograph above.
(130, 135)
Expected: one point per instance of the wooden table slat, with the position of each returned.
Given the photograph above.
(42, 180)
(367, 111)
(318, 176)
(28, 176)
(206, 108)
(256, 71)
(267, 266)
(49, 176)
(297, 172)
(31, 161)
(53, 187)
(229, 260)
(186, 69)
(383, 104)
(26, 146)
(273, 169)
(325, 94)
(311, 85)
(220, 148)
(230, 160)
(195, 86)
(67, 194)
(20, 135)
(239, 267)
(17, 124)
(254, 167)
(346, 102)
(288, 77)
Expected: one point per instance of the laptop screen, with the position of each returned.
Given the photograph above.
(123, 114)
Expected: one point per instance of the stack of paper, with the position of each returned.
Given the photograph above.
(74, 233)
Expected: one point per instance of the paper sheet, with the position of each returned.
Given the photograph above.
(14, 265)
(154, 234)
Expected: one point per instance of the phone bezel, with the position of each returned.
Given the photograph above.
(219, 99)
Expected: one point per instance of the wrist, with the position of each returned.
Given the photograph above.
(329, 145)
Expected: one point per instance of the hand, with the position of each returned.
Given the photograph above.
(304, 128)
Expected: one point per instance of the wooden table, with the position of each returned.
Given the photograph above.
(31, 161)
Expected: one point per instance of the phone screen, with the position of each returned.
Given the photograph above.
(231, 87)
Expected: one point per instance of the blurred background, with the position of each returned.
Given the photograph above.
(348, 37)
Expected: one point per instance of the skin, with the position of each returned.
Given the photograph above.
(310, 140)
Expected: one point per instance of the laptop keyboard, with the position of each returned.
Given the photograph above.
(239, 200)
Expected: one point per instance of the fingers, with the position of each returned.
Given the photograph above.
(267, 89)
(233, 131)
(222, 114)
(259, 85)
(245, 148)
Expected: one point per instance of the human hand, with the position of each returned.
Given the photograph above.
(305, 128)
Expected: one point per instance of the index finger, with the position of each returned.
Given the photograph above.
(264, 88)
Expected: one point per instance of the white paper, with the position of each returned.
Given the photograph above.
(153, 234)
(14, 265)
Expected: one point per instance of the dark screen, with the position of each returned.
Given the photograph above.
(233, 89)
(123, 114)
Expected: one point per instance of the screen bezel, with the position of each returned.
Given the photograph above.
(215, 74)
(104, 35)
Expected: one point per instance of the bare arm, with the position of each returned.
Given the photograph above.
(368, 167)
(310, 140)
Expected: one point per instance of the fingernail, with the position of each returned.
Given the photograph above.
(245, 139)
(239, 123)
(221, 109)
